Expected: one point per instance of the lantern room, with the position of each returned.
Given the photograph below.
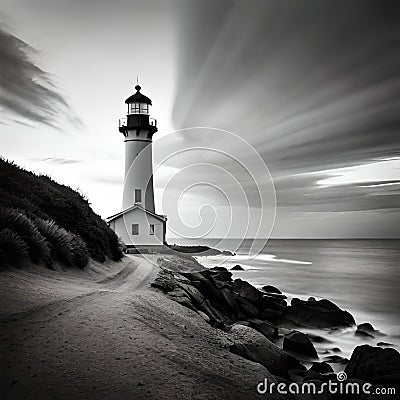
(138, 115)
(138, 103)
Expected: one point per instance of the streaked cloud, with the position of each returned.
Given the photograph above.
(26, 90)
(57, 160)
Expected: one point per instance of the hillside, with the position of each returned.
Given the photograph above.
(46, 221)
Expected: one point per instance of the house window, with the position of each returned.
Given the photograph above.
(151, 229)
(135, 229)
(138, 196)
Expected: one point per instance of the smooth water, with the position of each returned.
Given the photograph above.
(361, 276)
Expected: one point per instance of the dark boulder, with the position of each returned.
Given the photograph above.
(275, 296)
(366, 327)
(317, 314)
(270, 315)
(366, 330)
(269, 330)
(248, 309)
(167, 280)
(219, 273)
(321, 367)
(271, 289)
(374, 365)
(335, 359)
(317, 339)
(229, 299)
(237, 267)
(274, 303)
(254, 346)
(385, 344)
(246, 290)
(299, 343)
(181, 297)
(363, 334)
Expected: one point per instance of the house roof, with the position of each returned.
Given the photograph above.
(162, 218)
(138, 97)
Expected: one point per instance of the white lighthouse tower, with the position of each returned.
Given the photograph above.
(137, 224)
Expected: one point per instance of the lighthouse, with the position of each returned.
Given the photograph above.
(138, 225)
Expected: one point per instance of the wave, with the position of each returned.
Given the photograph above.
(258, 257)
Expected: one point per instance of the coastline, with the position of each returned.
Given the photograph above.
(69, 334)
(88, 334)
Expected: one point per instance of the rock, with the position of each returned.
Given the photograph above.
(366, 327)
(317, 314)
(299, 343)
(270, 315)
(237, 267)
(270, 303)
(256, 347)
(219, 273)
(247, 308)
(335, 359)
(227, 253)
(275, 296)
(167, 280)
(366, 330)
(335, 350)
(317, 339)
(194, 294)
(204, 316)
(271, 289)
(385, 344)
(297, 375)
(181, 297)
(267, 329)
(321, 367)
(249, 292)
(229, 299)
(363, 334)
(375, 365)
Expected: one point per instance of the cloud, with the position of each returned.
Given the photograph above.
(313, 86)
(57, 160)
(310, 84)
(26, 90)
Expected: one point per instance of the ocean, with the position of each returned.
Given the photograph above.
(361, 276)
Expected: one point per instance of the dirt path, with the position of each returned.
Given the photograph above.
(112, 338)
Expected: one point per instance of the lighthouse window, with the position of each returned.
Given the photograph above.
(144, 108)
(134, 108)
(138, 108)
(151, 229)
(138, 196)
(135, 229)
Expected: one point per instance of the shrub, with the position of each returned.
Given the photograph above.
(78, 251)
(57, 237)
(13, 249)
(67, 247)
(19, 223)
(40, 196)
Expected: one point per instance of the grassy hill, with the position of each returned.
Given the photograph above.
(45, 221)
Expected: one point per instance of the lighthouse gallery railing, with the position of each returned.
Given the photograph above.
(124, 121)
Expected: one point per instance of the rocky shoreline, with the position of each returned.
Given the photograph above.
(267, 330)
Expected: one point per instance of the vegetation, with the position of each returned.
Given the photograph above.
(49, 221)
(22, 226)
(65, 246)
(13, 250)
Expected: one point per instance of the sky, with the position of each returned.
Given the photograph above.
(275, 117)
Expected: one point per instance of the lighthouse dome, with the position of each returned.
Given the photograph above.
(138, 97)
